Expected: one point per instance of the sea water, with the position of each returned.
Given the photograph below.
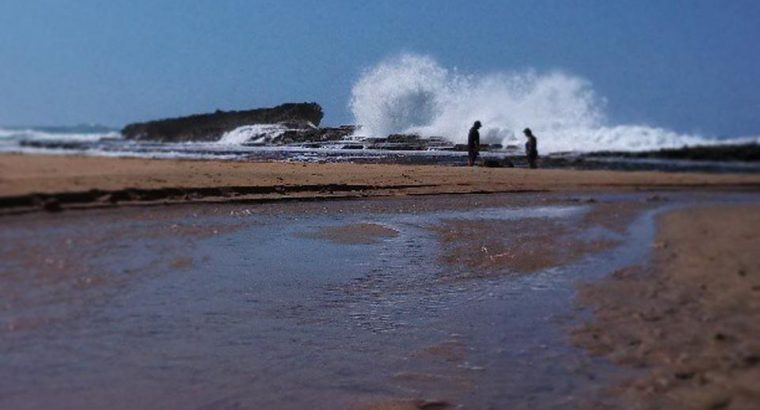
(240, 306)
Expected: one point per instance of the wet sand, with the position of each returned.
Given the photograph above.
(54, 182)
(332, 304)
(690, 322)
(426, 302)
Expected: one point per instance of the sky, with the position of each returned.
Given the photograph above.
(691, 66)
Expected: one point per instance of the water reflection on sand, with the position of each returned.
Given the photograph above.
(262, 307)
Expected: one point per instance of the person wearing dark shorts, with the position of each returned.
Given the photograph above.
(473, 143)
(531, 147)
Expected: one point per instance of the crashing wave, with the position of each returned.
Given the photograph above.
(413, 94)
(253, 134)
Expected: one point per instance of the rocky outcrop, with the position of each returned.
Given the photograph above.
(735, 152)
(210, 127)
(315, 135)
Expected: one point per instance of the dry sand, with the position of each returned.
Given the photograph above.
(692, 320)
(34, 181)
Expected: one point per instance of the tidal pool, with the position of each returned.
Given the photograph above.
(276, 306)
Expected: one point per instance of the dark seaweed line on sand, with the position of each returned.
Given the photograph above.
(734, 186)
(97, 198)
(55, 201)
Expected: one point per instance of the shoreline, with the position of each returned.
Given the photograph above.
(54, 182)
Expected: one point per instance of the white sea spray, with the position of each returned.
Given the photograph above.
(256, 133)
(413, 93)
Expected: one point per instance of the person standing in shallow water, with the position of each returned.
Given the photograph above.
(473, 143)
(531, 147)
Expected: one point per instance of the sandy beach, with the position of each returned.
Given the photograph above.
(414, 294)
(55, 182)
(389, 205)
(691, 319)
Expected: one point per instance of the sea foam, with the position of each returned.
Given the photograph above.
(413, 93)
(256, 133)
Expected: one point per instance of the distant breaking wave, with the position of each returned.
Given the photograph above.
(48, 134)
(12, 139)
(414, 94)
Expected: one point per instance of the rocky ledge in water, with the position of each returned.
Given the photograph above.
(734, 152)
(211, 127)
(344, 138)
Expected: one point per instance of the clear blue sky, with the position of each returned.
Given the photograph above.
(686, 65)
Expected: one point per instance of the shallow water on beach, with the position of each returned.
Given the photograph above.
(234, 306)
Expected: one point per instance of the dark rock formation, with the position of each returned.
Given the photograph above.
(406, 142)
(399, 142)
(497, 163)
(210, 127)
(483, 147)
(741, 152)
(314, 135)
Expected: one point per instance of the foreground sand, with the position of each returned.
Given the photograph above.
(47, 180)
(692, 320)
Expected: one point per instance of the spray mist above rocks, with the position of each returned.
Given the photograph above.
(413, 93)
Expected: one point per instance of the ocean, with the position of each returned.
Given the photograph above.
(259, 143)
(414, 94)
